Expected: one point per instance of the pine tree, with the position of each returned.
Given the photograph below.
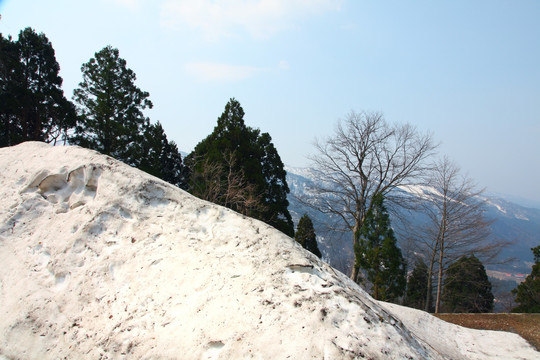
(239, 154)
(173, 169)
(417, 287)
(305, 235)
(377, 253)
(110, 108)
(274, 185)
(466, 287)
(32, 104)
(528, 292)
(161, 158)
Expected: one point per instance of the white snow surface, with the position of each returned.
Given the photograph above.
(102, 261)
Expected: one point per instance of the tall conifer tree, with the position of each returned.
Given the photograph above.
(305, 235)
(244, 154)
(110, 107)
(378, 255)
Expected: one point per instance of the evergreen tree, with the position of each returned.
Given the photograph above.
(10, 123)
(305, 235)
(274, 186)
(32, 103)
(377, 253)
(248, 157)
(161, 158)
(110, 108)
(466, 287)
(528, 292)
(417, 287)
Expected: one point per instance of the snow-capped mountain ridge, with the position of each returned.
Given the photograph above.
(495, 199)
(512, 221)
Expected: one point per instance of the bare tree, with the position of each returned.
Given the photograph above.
(366, 156)
(225, 186)
(209, 184)
(456, 225)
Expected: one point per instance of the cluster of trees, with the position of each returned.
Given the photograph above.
(107, 115)
(235, 166)
(368, 161)
(466, 288)
(362, 167)
(111, 120)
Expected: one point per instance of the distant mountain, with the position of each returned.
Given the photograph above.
(335, 247)
(512, 222)
(528, 203)
(518, 224)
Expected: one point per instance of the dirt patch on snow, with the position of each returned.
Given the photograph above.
(525, 325)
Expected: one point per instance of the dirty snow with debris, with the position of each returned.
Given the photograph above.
(100, 260)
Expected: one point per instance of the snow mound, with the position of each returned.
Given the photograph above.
(100, 260)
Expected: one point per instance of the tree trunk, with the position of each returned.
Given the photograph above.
(354, 272)
(356, 228)
(439, 277)
(430, 275)
(441, 256)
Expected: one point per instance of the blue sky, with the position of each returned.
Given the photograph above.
(466, 71)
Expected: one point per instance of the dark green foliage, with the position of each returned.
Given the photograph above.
(111, 119)
(110, 108)
(274, 186)
(238, 152)
(466, 287)
(417, 287)
(161, 158)
(528, 292)
(32, 103)
(305, 235)
(10, 88)
(378, 255)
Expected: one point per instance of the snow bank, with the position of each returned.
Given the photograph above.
(456, 342)
(100, 260)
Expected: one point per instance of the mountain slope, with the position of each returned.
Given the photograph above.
(511, 222)
(100, 260)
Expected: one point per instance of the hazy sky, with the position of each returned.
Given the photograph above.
(466, 71)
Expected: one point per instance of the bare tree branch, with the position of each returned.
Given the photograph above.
(228, 187)
(366, 156)
(455, 225)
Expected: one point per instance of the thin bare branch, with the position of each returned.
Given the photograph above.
(365, 156)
